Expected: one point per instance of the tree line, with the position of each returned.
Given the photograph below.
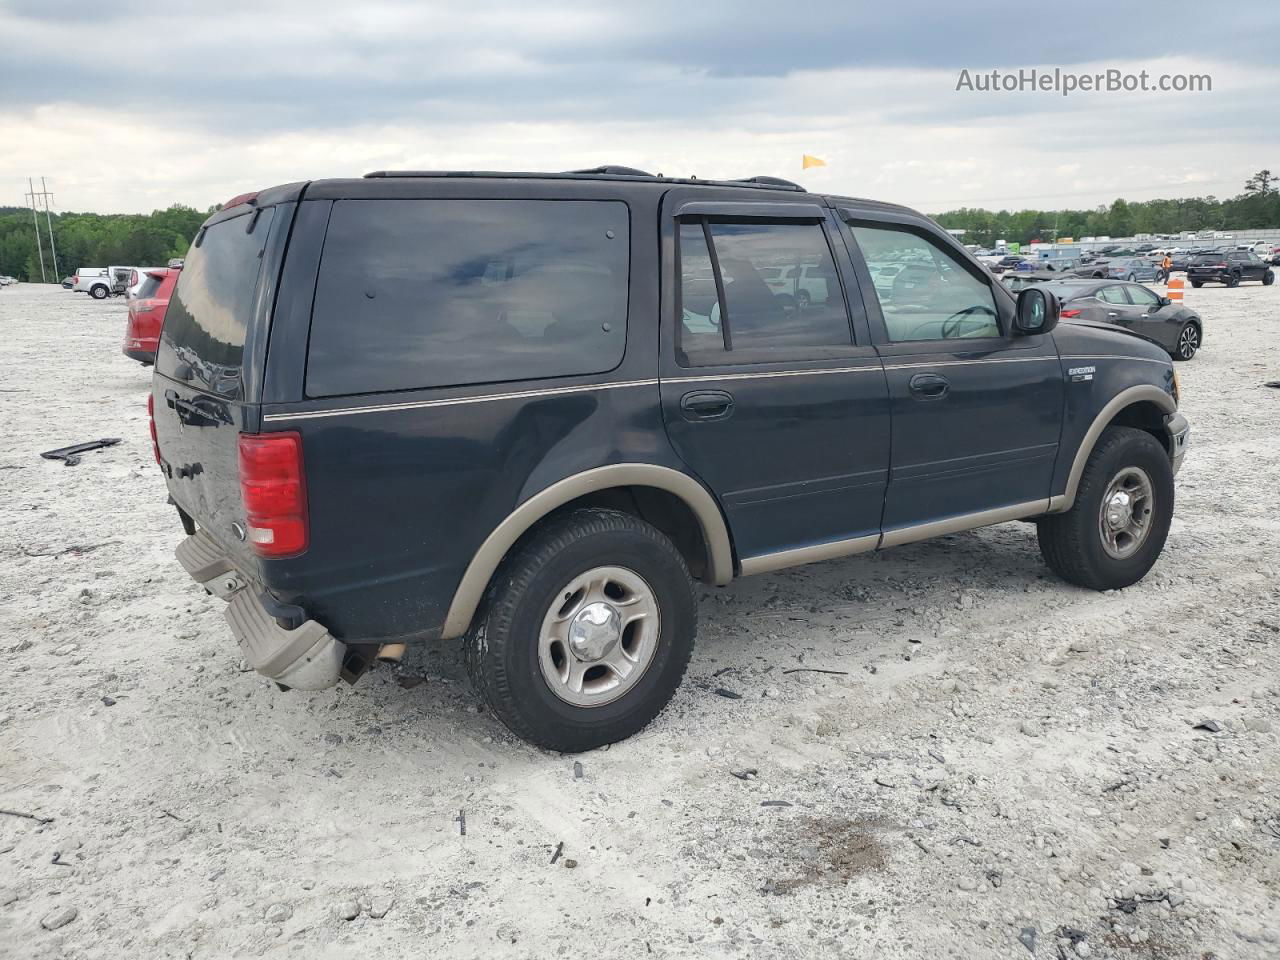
(94, 239)
(1256, 208)
(150, 240)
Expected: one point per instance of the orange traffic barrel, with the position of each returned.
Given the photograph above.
(1177, 287)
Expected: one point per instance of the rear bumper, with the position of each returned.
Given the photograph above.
(1179, 430)
(141, 354)
(307, 657)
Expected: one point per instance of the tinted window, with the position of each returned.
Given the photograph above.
(1142, 296)
(433, 293)
(931, 295)
(1113, 295)
(149, 287)
(204, 326)
(781, 292)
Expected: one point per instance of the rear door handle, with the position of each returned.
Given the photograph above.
(929, 386)
(706, 405)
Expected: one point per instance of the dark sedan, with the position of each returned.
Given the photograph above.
(1134, 307)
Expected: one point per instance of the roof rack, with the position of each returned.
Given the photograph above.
(611, 170)
(608, 172)
(763, 181)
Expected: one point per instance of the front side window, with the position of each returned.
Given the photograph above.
(770, 287)
(1143, 297)
(415, 294)
(925, 293)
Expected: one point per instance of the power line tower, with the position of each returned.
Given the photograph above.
(35, 221)
(46, 197)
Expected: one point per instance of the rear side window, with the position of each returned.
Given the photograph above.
(204, 326)
(770, 293)
(433, 293)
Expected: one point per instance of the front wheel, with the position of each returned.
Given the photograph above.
(1268, 278)
(586, 632)
(1188, 342)
(1114, 532)
(1233, 280)
(1197, 284)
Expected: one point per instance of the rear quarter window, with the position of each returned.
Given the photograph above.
(414, 294)
(212, 304)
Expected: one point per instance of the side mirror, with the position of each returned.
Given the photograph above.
(1165, 301)
(1037, 312)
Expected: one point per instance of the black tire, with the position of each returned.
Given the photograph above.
(1197, 284)
(1188, 342)
(1072, 544)
(1268, 278)
(1233, 280)
(99, 292)
(502, 648)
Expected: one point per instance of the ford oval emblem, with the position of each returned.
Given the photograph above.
(239, 531)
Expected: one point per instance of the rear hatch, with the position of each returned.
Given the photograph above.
(205, 391)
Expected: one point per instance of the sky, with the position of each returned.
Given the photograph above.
(130, 106)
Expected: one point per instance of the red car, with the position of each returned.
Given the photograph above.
(146, 314)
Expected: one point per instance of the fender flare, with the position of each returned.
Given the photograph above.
(715, 534)
(1125, 398)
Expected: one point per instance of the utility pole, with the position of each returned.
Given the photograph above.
(35, 220)
(48, 219)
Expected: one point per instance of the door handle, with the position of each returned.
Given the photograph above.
(706, 405)
(1112, 313)
(929, 386)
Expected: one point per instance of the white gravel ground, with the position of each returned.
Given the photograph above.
(1006, 767)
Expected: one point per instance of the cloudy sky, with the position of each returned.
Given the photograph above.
(129, 106)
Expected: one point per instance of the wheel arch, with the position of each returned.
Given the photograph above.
(594, 487)
(1144, 406)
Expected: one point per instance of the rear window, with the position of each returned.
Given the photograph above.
(150, 286)
(204, 326)
(431, 293)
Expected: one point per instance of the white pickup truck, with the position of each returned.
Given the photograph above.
(101, 282)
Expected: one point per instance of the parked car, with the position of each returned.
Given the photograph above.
(146, 314)
(1177, 328)
(137, 277)
(7, 281)
(806, 282)
(390, 411)
(102, 282)
(1135, 268)
(1231, 268)
(1008, 262)
(68, 283)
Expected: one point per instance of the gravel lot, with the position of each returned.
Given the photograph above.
(1005, 766)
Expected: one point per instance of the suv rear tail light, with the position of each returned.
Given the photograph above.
(274, 494)
(151, 416)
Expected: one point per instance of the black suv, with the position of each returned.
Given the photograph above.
(531, 409)
(1230, 267)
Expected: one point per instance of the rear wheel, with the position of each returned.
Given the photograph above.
(1114, 532)
(1188, 342)
(1197, 284)
(98, 292)
(586, 632)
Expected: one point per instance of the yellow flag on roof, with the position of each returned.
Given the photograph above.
(807, 161)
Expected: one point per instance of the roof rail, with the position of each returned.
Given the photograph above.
(771, 182)
(613, 170)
